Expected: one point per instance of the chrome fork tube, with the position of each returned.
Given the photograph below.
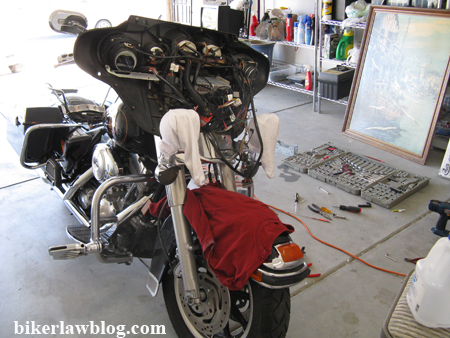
(226, 176)
(176, 197)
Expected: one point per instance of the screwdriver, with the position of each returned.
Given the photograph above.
(348, 208)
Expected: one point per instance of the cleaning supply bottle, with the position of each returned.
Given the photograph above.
(344, 45)
(308, 79)
(296, 31)
(307, 21)
(289, 28)
(429, 294)
(253, 26)
(301, 31)
(327, 9)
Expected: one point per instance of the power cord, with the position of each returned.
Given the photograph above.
(333, 246)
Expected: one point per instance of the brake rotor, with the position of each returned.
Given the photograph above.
(212, 314)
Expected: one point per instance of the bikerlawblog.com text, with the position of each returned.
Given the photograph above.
(61, 329)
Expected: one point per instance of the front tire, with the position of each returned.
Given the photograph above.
(253, 312)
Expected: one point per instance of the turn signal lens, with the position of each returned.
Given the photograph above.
(290, 252)
(257, 276)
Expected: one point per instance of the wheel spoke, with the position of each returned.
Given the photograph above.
(237, 316)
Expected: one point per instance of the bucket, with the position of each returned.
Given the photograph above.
(264, 47)
(429, 295)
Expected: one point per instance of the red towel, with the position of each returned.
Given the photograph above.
(236, 232)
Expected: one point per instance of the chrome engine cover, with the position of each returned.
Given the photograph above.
(105, 163)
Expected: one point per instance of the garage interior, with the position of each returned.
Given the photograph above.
(348, 299)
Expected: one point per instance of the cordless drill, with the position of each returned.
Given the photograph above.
(443, 209)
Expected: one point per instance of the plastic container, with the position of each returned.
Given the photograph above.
(264, 47)
(327, 9)
(296, 31)
(345, 44)
(301, 31)
(429, 294)
(253, 26)
(307, 21)
(289, 28)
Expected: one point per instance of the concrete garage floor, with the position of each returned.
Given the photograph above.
(350, 299)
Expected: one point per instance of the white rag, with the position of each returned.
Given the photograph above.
(180, 129)
(269, 127)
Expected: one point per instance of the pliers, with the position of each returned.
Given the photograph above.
(315, 208)
(413, 260)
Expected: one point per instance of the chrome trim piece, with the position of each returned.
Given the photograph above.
(281, 274)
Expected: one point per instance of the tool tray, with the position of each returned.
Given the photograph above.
(375, 181)
(310, 159)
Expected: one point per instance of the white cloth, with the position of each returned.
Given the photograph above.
(180, 129)
(269, 127)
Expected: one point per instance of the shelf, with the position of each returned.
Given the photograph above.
(287, 43)
(341, 101)
(338, 62)
(291, 87)
(361, 25)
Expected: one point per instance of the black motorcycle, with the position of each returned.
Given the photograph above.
(105, 164)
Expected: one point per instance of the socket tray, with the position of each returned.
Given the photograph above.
(374, 180)
(310, 159)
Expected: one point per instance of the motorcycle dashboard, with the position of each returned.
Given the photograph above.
(155, 66)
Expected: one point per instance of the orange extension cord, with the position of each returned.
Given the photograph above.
(333, 246)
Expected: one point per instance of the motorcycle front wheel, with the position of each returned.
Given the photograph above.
(253, 312)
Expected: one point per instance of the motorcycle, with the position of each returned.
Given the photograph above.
(130, 196)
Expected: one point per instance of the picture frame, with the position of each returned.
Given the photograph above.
(400, 80)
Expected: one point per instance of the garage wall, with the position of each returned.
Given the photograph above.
(281, 52)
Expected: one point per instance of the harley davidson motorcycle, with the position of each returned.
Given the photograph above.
(106, 166)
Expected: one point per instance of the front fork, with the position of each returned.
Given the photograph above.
(176, 197)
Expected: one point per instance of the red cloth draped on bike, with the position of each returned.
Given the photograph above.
(236, 232)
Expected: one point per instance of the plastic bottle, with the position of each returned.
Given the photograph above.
(289, 28)
(429, 294)
(327, 9)
(253, 26)
(344, 45)
(308, 79)
(307, 21)
(296, 31)
(301, 31)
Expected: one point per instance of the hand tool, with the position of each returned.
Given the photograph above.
(297, 201)
(330, 212)
(348, 208)
(443, 209)
(399, 210)
(320, 188)
(392, 259)
(315, 208)
(367, 205)
(413, 260)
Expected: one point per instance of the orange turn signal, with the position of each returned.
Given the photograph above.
(257, 276)
(290, 252)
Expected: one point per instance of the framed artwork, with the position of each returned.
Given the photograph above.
(400, 81)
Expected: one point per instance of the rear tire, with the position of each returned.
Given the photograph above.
(255, 311)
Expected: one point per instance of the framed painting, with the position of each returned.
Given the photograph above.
(400, 81)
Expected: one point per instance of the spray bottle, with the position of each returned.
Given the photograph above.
(307, 21)
(429, 294)
(301, 31)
